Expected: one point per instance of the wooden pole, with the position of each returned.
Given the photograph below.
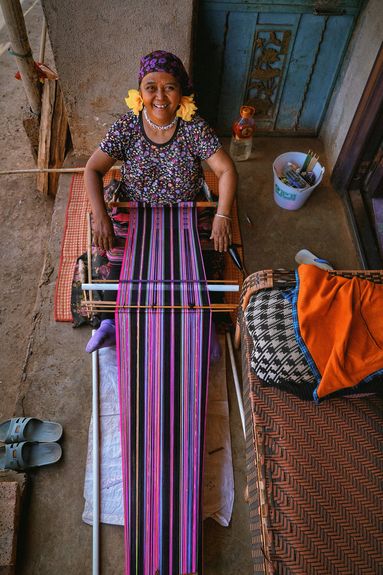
(89, 242)
(90, 286)
(43, 39)
(236, 382)
(47, 109)
(48, 171)
(21, 49)
(95, 465)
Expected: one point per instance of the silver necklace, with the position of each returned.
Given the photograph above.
(156, 126)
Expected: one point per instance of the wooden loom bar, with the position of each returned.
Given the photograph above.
(220, 307)
(89, 241)
(164, 281)
(129, 204)
(99, 306)
(114, 286)
(48, 171)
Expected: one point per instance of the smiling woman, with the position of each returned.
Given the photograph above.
(161, 142)
(161, 95)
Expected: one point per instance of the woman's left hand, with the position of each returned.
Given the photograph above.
(221, 233)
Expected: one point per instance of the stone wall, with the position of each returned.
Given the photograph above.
(97, 46)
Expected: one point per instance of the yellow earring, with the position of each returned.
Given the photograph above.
(187, 108)
(134, 101)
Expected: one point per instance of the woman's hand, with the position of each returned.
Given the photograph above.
(221, 233)
(224, 168)
(97, 166)
(103, 234)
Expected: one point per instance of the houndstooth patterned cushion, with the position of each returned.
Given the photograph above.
(276, 357)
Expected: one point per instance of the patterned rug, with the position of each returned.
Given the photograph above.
(74, 242)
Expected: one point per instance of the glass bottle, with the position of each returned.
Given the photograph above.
(242, 134)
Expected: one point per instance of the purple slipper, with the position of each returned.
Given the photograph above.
(105, 336)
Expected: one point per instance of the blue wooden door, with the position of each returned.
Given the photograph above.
(281, 57)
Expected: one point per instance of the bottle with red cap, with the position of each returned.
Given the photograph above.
(242, 134)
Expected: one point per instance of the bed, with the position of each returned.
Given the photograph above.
(314, 471)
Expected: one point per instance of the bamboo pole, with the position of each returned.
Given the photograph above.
(43, 39)
(45, 133)
(47, 170)
(21, 49)
(89, 242)
(90, 286)
(236, 382)
(95, 465)
(94, 282)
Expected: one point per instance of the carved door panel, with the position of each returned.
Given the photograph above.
(283, 63)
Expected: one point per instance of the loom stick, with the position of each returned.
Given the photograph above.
(233, 252)
(132, 204)
(114, 287)
(95, 415)
(48, 170)
(95, 467)
(89, 234)
(236, 382)
(213, 307)
(162, 281)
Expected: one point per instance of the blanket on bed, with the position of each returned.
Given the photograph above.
(338, 323)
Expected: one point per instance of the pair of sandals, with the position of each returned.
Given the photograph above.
(29, 442)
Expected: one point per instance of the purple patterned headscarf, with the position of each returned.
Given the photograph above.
(161, 61)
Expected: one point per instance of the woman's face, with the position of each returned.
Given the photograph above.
(162, 95)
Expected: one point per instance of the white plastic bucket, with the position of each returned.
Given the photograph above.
(285, 196)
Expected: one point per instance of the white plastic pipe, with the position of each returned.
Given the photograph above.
(114, 287)
(95, 466)
(236, 382)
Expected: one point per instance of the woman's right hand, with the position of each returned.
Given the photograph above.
(103, 234)
(96, 167)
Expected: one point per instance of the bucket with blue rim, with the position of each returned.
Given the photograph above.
(286, 196)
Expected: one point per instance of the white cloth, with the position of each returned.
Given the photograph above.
(218, 470)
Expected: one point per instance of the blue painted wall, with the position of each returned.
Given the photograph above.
(281, 57)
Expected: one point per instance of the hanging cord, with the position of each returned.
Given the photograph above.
(13, 53)
(24, 56)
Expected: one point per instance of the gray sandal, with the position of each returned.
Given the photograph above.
(22, 456)
(19, 429)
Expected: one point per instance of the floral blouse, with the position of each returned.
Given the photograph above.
(160, 174)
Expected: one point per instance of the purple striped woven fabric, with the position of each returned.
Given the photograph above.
(163, 358)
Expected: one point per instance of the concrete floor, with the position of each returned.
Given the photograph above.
(57, 382)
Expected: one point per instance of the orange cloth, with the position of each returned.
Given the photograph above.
(341, 323)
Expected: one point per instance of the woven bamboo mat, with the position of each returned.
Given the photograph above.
(74, 242)
(315, 479)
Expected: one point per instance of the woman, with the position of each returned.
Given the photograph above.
(161, 143)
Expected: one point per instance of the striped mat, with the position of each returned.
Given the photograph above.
(74, 243)
(163, 357)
